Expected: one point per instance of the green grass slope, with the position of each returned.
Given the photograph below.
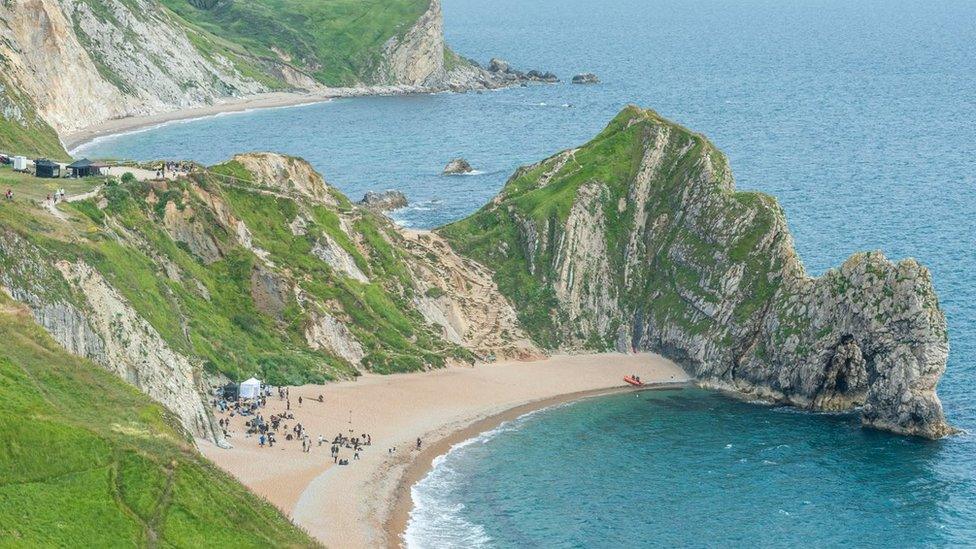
(22, 131)
(206, 308)
(541, 196)
(338, 42)
(88, 461)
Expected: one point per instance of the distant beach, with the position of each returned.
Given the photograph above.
(368, 502)
(74, 140)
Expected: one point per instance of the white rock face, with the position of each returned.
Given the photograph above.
(417, 57)
(583, 280)
(135, 351)
(324, 332)
(55, 49)
(287, 175)
(459, 295)
(339, 259)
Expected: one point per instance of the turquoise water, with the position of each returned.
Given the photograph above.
(860, 117)
(692, 469)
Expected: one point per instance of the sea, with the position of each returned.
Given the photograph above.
(859, 117)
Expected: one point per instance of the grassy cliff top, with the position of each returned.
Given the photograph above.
(88, 461)
(338, 42)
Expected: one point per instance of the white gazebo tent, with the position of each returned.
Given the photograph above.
(251, 388)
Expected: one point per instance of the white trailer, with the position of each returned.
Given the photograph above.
(20, 163)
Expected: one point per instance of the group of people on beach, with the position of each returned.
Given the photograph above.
(356, 444)
(267, 429)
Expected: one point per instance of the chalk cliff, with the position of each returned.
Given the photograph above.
(82, 62)
(253, 267)
(639, 240)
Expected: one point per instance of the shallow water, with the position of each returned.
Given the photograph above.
(692, 468)
(859, 117)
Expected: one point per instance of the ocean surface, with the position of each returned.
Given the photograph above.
(860, 117)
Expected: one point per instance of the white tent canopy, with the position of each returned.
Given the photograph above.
(251, 388)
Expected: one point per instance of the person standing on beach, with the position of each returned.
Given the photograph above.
(299, 401)
(418, 443)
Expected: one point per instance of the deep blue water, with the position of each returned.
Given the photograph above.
(860, 117)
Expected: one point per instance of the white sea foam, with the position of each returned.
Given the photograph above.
(437, 520)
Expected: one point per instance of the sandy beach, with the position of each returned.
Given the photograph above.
(367, 503)
(270, 100)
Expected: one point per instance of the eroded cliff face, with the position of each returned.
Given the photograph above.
(417, 57)
(89, 318)
(638, 240)
(253, 267)
(84, 61)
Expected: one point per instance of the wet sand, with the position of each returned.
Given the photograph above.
(367, 503)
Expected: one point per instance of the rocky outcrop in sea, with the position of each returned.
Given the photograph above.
(458, 166)
(384, 201)
(586, 78)
(502, 69)
(639, 240)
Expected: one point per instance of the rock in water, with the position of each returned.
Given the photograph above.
(499, 65)
(502, 69)
(539, 76)
(384, 201)
(586, 78)
(638, 240)
(458, 166)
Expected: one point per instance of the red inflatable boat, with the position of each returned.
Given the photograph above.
(634, 381)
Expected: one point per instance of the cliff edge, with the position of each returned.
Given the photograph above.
(71, 65)
(638, 240)
(254, 267)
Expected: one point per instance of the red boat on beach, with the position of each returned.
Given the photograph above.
(635, 381)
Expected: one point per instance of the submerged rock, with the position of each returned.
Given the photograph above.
(586, 78)
(458, 166)
(384, 201)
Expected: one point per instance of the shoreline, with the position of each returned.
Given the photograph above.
(118, 126)
(77, 139)
(398, 518)
(367, 503)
